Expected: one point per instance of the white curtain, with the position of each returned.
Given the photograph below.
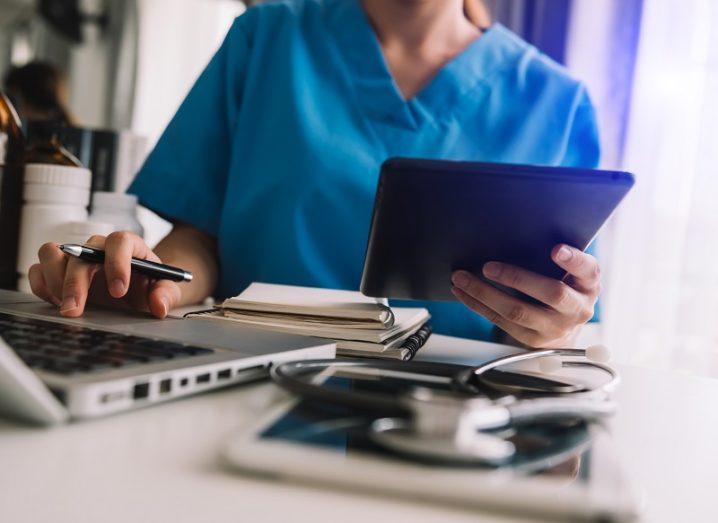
(176, 40)
(661, 300)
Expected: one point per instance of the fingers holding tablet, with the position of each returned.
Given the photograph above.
(522, 334)
(508, 307)
(568, 305)
(583, 269)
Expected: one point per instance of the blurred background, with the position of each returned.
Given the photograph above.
(122, 67)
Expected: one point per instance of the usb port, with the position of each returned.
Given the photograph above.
(255, 373)
(141, 391)
(202, 378)
(224, 374)
(112, 396)
(165, 386)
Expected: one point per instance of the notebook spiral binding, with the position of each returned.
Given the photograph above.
(416, 341)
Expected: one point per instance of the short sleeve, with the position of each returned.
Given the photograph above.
(185, 176)
(583, 147)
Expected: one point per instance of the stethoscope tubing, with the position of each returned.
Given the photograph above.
(463, 380)
(400, 409)
(286, 375)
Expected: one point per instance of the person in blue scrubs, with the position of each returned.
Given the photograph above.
(269, 167)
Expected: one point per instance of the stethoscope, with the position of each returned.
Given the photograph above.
(463, 425)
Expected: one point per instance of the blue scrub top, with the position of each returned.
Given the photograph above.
(276, 150)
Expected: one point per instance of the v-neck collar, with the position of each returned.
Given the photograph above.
(440, 97)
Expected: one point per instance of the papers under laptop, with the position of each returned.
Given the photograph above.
(360, 325)
(54, 368)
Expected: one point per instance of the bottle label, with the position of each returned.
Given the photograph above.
(3, 147)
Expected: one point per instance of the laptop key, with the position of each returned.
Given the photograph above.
(62, 369)
(27, 353)
(25, 345)
(156, 353)
(57, 353)
(37, 361)
(15, 333)
(197, 351)
(100, 361)
(66, 368)
(174, 347)
(130, 356)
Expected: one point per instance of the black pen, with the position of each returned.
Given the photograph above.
(153, 270)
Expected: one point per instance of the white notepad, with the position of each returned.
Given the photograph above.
(310, 301)
(407, 320)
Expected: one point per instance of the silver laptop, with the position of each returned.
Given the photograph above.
(53, 369)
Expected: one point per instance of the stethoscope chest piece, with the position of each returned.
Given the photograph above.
(523, 382)
(547, 378)
(402, 437)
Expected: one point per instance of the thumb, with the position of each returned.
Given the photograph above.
(163, 296)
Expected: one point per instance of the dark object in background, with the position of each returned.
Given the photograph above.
(67, 19)
(432, 217)
(97, 149)
(38, 90)
(543, 23)
(12, 146)
(64, 16)
(110, 155)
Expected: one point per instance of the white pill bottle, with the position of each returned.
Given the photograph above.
(53, 195)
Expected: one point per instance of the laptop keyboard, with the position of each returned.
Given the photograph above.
(69, 349)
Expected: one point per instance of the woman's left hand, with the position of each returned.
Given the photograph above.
(569, 303)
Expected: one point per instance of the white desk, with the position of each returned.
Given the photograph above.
(160, 464)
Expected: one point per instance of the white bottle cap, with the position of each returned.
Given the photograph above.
(57, 175)
(57, 184)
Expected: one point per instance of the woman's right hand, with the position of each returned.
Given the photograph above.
(70, 283)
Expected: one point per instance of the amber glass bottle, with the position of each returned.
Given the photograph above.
(12, 146)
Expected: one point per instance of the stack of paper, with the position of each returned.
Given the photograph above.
(361, 326)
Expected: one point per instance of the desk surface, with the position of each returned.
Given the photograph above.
(160, 463)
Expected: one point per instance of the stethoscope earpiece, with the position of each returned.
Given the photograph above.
(598, 353)
(595, 353)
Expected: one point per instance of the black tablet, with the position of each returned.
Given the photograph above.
(432, 217)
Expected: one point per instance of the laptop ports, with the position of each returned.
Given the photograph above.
(166, 386)
(141, 391)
